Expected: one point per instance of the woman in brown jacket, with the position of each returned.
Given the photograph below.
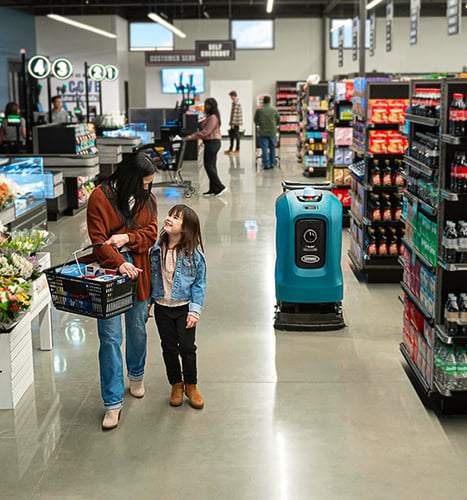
(122, 213)
(210, 132)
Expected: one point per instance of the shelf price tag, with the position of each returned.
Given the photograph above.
(62, 68)
(39, 67)
(97, 72)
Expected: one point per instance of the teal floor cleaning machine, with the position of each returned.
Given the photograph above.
(308, 272)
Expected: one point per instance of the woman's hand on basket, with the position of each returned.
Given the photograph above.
(128, 269)
(118, 240)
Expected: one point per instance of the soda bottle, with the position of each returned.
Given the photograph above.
(461, 368)
(398, 208)
(387, 173)
(398, 179)
(451, 315)
(370, 243)
(457, 116)
(462, 242)
(450, 242)
(461, 174)
(376, 174)
(454, 169)
(393, 247)
(463, 315)
(382, 242)
(450, 368)
(386, 206)
(376, 208)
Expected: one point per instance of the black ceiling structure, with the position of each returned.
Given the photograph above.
(215, 9)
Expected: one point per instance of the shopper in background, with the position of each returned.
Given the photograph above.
(122, 213)
(11, 135)
(178, 271)
(235, 123)
(210, 133)
(59, 114)
(267, 119)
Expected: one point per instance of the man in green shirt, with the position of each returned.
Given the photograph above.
(267, 120)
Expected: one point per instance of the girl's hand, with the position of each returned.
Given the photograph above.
(128, 269)
(118, 240)
(191, 321)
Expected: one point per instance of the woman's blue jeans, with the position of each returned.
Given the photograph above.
(110, 354)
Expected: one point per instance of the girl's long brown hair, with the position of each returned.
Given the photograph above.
(190, 238)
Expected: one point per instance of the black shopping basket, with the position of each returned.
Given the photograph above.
(88, 297)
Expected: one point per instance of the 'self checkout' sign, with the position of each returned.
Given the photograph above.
(215, 50)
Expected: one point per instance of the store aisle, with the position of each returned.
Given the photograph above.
(288, 416)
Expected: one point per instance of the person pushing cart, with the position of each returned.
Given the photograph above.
(267, 121)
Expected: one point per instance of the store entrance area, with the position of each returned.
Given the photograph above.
(321, 415)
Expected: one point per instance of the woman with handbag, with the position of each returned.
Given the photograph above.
(122, 213)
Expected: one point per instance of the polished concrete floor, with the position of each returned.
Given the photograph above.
(288, 416)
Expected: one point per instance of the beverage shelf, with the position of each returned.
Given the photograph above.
(368, 222)
(428, 209)
(442, 390)
(413, 366)
(452, 267)
(453, 140)
(418, 166)
(442, 335)
(420, 257)
(428, 316)
(422, 120)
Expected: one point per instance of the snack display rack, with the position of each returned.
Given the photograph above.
(286, 104)
(313, 133)
(434, 332)
(339, 121)
(376, 225)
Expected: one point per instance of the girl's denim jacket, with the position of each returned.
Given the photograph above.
(189, 278)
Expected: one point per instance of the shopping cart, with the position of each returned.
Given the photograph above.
(87, 296)
(169, 159)
(259, 153)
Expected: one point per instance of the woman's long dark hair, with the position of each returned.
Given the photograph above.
(214, 108)
(125, 186)
(190, 238)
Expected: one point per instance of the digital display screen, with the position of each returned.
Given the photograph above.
(150, 36)
(253, 34)
(171, 78)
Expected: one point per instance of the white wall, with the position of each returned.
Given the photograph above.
(434, 52)
(55, 39)
(297, 53)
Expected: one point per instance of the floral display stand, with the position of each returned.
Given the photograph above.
(16, 365)
(16, 353)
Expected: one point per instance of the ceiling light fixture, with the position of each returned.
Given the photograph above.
(166, 24)
(372, 4)
(83, 26)
(269, 6)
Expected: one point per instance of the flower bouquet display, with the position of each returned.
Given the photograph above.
(14, 300)
(27, 242)
(13, 264)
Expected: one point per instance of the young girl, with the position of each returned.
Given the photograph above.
(178, 285)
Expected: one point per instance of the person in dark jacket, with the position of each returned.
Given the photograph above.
(267, 120)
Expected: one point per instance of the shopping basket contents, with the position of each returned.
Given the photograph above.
(89, 289)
